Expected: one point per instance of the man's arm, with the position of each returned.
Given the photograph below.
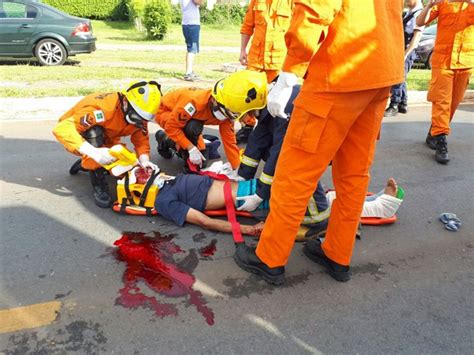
(427, 15)
(244, 41)
(413, 43)
(198, 2)
(226, 131)
(141, 141)
(246, 31)
(195, 217)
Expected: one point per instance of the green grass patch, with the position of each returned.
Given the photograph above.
(123, 32)
(107, 70)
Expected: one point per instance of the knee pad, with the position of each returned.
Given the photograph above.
(95, 136)
(193, 130)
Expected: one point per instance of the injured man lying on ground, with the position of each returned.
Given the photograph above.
(186, 198)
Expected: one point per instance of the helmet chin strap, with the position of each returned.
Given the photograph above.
(218, 114)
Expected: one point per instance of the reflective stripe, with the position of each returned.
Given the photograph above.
(314, 215)
(249, 161)
(266, 179)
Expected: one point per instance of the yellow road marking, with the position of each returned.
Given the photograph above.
(33, 316)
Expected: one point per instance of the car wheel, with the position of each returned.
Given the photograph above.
(428, 61)
(50, 52)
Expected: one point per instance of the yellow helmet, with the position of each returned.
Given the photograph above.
(241, 92)
(144, 98)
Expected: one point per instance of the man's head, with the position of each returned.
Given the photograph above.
(142, 101)
(238, 94)
(412, 3)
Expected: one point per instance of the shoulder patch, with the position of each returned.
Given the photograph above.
(86, 120)
(99, 116)
(190, 109)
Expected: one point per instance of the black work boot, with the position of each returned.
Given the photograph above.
(403, 107)
(430, 141)
(312, 249)
(441, 155)
(76, 167)
(391, 111)
(243, 134)
(101, 188)
(164, 145)
(247, 260)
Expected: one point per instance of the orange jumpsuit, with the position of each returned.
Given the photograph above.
(352, 53)
(103, 110)
(181, 105)
(452, 62)
(267, 21)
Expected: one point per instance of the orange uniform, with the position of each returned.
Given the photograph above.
(267, 21)
(452, 61)
(184, 104)
(351, 53)
(103, 110)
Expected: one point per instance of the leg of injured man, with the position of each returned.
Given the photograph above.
(383, 204)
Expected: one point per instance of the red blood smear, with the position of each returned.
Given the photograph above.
(142, 175)
(150, 259)
(208, 250)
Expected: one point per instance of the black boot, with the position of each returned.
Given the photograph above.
(391, 111)
(441, 155)
(403, 107)
(312, 249)
(243, 134)
(76, 167)
(165, 144)
(430, 141)
(101, 188)
(247, 260)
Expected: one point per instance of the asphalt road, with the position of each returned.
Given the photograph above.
(411, 291)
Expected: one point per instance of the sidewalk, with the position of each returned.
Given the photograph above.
(51, 108)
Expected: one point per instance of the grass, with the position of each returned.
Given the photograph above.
(124, 32)
(111, 70)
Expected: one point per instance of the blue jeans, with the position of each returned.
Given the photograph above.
(399, 91)
(191, 36)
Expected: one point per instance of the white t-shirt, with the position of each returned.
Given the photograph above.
(415, 9)
(190, 12)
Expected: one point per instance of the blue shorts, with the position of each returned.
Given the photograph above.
(191, 36)
(179, 195)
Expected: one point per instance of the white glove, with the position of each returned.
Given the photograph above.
(280, 94)
(145, 162)
(196, 156)
(234, 175)
(250, 202)
(100, 155)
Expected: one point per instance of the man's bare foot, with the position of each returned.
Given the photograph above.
(391, 188)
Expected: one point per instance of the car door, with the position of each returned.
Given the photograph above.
(18, 22)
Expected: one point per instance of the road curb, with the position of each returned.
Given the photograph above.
(51, 108)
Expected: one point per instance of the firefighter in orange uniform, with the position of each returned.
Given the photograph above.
(337, 117)
(98, 121)
(267, 21)
(185, 111)
(452, 64)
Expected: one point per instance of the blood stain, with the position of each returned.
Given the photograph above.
(208, 250)
(150, 259)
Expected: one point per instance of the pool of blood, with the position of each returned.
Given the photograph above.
(150, 259)
(208, 250)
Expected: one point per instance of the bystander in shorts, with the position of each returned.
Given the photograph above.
(191, 36)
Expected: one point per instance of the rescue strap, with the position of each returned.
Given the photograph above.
(123, 207)
(229, 203)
